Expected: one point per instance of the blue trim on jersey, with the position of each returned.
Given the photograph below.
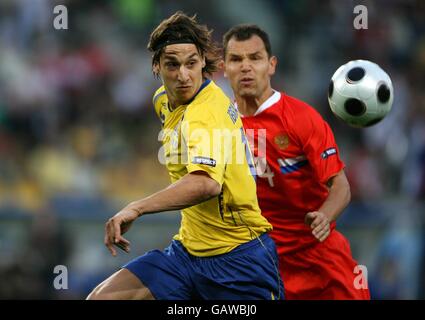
(206, 82)
(157, 96)
(203, 85)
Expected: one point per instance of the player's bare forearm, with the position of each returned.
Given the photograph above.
(190, 190)
(339, 196)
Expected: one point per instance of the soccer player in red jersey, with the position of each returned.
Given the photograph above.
(301, 184)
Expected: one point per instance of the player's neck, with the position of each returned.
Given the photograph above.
(248, 105)
(174, 103)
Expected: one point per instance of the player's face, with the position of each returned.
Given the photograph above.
(180, 68)
(248, 67)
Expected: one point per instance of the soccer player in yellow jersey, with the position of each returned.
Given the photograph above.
(222, 250)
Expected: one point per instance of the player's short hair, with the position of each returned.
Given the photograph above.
(244, 32)
(180, 28)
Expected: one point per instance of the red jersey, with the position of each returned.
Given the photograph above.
(293, 165)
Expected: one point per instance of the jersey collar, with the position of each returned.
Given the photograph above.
(275, 97)
(203, 85)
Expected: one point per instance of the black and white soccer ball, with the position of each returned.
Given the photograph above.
(360, 93)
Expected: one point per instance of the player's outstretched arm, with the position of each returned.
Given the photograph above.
(193, 188)
(337, 200)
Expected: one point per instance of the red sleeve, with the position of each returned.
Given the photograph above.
(318, 142)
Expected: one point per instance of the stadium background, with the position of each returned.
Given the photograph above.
(78, 135)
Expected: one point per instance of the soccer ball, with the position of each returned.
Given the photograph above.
(360, 93)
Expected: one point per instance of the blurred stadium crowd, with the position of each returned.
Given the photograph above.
(79, 137)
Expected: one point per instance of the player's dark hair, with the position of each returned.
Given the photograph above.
(244, 32)
(180, 28)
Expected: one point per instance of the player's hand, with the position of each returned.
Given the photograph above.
(116, 227)
(319, 223)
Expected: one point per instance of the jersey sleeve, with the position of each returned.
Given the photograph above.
(204, 152)
(158, 98)
(318, 143)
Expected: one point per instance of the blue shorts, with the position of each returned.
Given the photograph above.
(250, 271)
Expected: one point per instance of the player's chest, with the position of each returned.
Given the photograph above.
(269, 137)
(276, 152)
(171, 119)
(171, 124)
(171, 137)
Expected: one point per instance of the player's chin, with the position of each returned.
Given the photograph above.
(247, 92)
(186, 95)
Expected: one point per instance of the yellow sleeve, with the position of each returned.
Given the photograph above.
(158, 98)
(202, 142)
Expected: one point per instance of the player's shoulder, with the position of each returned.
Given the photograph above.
(210, 93)
(299, 110)
(210, 100)
(159, 98)
(159, 93)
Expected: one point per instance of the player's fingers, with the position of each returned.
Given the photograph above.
(122, 243)
(324, 236)
(109, 246)
(119, 240)
(115, 237)
(318, 220)
(323, 233)
(309, 218)
(319, 227)
(108, 238)
(124, 247)
(110, 230)
(117, 231)
(123, 240)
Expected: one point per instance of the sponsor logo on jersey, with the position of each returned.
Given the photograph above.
(328, 152)
(282, 141)
(204, 160)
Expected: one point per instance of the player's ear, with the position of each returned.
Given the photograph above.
(222, 66)
(272, 65)
(155, 68)
(203, 62)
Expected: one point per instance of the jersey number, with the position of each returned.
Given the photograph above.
(263, 170)
(248, 155)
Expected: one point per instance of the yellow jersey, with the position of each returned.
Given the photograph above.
(207, 135)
